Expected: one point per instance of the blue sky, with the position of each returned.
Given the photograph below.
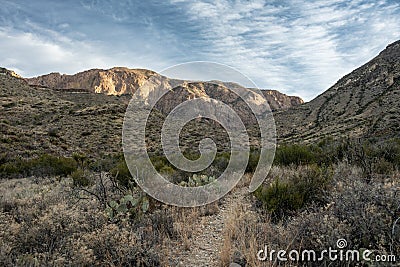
(297, 47)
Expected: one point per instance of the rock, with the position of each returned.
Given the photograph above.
(278, 100)
(238, 259)
(115, 81)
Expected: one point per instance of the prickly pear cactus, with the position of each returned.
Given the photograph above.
(198, 180)
(128, 204)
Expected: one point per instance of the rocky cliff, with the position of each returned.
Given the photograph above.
(115, 81)
(278, 100)
(119, 81)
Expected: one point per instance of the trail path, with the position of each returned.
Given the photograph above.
(208, 238)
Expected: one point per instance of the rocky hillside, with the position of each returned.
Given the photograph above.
(278, 100)
(119, 81)
(115, 81)
(40, 120)
(365, 102)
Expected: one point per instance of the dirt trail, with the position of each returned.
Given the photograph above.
(208, 238)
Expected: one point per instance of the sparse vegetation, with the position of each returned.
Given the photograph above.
(44, 165)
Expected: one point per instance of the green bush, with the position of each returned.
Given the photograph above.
(51, 165)
(80, 178)
(159, 162)
(81, 159)
(44, 165)
(168, 170)
(221, 161)
(53, 132)
(382, 166)
(254, 157)
(9, 169)
(285, 196)
(294, 154)
(122, 174)
(390, 151)
(329, 151)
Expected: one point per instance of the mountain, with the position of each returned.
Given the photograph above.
(10, 73)
(279, 101)
(120, 81)
(364, 103)
(36, 119)
(115, 81)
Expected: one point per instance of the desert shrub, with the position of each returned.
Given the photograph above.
(221, 161)
(365, 214)
(163, 166)
(105, 162)
(390, 151)
(122, 174)
(44, 165)
(382, 166)
(282, 197)
(374, 157)
(163, 224)
(52, 165)
(9, 169)
(159, 162)
(254, 157)
(168, 170)
(294, 154)
(53, 132)
(80, 158)
(80, 178)
(329, 151)
(51, 226)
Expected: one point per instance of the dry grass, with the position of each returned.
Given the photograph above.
(48, 222)
(362, 213)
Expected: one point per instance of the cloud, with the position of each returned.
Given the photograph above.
(295, 46)
(28, 54)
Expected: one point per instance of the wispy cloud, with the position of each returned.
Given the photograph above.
(298, 47)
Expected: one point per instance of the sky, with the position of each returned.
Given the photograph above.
(297, 47)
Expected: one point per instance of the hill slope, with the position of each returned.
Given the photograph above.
(365, 102)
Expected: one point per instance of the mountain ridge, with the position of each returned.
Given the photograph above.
(122, 80)
(363, 103)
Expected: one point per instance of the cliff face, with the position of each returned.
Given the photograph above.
(115, 81)
(278, 100)
(119, 81)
